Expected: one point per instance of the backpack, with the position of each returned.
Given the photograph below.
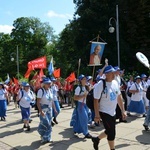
(129, 93)
(148, 93)
(90, 97)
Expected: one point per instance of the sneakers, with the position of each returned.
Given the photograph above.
(3, 119)
(54, 120)
(44, 142)
(146, 127)
(28, 128)
(121, 120)
(95, 141)
(88, 136)
(24, 126)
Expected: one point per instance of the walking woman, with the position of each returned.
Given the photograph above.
(136, 105)
(45, 105)
(55, 99)
(81, 113)
(3, 101)
(25, 97)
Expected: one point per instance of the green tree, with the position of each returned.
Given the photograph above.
(31, 36)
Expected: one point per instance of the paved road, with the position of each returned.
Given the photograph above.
(129, 135)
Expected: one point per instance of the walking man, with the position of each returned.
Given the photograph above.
(105, 109)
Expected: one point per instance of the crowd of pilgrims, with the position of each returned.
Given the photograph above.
(50, 97)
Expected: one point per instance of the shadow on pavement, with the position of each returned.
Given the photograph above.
(34, 146)
(144, 138)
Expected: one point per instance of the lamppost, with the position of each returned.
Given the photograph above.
(17, 60)
(112, 29)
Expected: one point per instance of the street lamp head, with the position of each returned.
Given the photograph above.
(12, 59)
(111, 29)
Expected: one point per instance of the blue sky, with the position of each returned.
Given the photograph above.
(56, 12)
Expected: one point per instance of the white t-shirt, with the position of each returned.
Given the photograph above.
(108, 100)
(2, 94)
(137, 96)
(81, 91)
(46, 96)
(25, 98)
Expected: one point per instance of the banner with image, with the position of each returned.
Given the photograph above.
(96, 53)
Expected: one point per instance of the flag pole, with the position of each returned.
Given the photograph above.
(79, 63)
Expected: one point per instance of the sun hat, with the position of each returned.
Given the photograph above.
(25, 84)
(117, 68)
(109, 69)
(143, 75)
(81, 77)
(46, 80)
(89, 78)
(137, 77)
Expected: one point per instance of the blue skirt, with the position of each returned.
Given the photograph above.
(3, 108)
(44, 128)
(25, 112)
(80, 118)
(57, 106)
(136, 107)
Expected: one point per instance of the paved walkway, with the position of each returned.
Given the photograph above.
(129, 136)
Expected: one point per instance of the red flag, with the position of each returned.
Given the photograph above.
(41, 74)
(15, 81)
(71, 77)
(37, 63)
(56, 73)
(27, 74)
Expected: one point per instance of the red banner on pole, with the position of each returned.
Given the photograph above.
(39, 63)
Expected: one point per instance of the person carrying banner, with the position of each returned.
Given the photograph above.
(106, 108)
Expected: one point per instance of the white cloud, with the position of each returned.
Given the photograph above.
(51, 14)
(6, 28)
